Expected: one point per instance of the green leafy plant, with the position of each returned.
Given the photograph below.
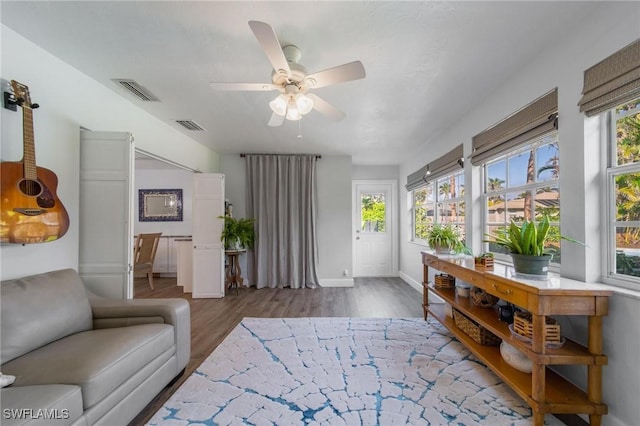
(529, 238)
(237, 233)
(445, 236)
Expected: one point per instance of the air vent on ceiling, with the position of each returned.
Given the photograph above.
(137, 89)
(190, 125)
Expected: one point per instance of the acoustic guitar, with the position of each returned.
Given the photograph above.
(31, 212)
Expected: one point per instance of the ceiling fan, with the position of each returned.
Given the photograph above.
(291, 79)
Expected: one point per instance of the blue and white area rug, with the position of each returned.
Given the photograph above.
(343, 371)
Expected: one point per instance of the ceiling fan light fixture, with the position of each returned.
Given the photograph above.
(304, 103)
(279, 105)
(293, 113)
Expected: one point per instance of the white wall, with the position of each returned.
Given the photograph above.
(235, 182)
(165, 179)
(68, 100)
(334, 218)
(560, 65)
(362, 172)
(334, 210)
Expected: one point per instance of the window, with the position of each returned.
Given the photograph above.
(440, 201)
(373, 210)
(523, 184)
(623, 184)
(422, 212)
(437, 194)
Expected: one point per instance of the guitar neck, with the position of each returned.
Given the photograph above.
(29, 160)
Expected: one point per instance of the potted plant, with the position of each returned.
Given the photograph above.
(444, 238)
(237, 233)
(528, 245)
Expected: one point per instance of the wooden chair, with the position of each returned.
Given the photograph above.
(144, 253)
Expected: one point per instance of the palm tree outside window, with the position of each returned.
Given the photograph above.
(523, 184)
(623, 175)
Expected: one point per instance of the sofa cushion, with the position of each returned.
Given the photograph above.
(49, 405)
(41, 308)
(97, 360)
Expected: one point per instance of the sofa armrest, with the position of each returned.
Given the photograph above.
(109, 313)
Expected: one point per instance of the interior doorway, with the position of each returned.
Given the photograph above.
(159, 176)
(375, 228)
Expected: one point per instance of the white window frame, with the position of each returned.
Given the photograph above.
(436, 216)
(526, 147)
(412, 213)
(458, 199)
(614, 170)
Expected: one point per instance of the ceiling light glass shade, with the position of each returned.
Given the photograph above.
(304, 103)
(279, 105)
(292, 111)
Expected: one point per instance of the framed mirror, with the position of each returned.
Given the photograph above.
(160, 205)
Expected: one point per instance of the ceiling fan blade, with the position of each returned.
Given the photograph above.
(271, 46)
(243, 86)
(276, 120)
(326, 108)
(346, 72)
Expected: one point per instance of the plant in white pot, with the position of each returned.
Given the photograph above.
(237, 233)
(528, 245)
(445, 238)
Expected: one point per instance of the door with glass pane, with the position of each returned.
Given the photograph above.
(373, 230)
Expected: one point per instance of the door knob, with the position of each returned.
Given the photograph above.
(357, 238)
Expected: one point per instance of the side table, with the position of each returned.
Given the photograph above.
(233, 273)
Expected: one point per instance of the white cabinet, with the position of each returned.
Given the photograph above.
(172, 255)
(208, 251)
(185, 264)
(166, 256)
(161, 261)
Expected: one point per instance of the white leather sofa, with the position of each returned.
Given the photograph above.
(82, 360)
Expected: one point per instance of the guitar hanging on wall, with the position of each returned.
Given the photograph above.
(31, 212)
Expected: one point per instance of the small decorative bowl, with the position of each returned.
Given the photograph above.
(515, 358)
(462, 291)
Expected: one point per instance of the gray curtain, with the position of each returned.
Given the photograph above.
(281, 196)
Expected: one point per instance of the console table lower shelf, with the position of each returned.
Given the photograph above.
(562, 397)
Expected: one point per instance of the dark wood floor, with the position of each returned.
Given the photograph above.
(213, 319)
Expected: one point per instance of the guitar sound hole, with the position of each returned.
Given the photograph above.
(29, 187)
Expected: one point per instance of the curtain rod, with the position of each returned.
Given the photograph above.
(318, 156)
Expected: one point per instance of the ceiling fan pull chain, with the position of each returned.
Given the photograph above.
(299, 129)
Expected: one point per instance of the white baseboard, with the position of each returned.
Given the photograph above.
(418, 286)
(337, 282)
(413, 283)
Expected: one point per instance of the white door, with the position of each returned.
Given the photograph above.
(208, 250)
(375, 227)
(106, 225)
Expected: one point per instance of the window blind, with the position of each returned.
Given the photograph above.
(444, 165)
(532, 121)
(612, 81)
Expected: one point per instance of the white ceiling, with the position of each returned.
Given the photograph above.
(426, 63)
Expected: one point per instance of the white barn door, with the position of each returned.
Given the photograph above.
(208, 250)
(106, 208)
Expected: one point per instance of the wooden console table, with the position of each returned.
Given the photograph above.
(544, 390)
(233, 273)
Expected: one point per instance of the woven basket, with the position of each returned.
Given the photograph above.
(477, 332)
(481, 298)
(484, 262)
(445, 281)
(522, 324)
